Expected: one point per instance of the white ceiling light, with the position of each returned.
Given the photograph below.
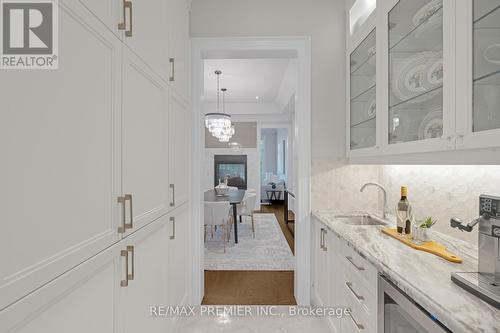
(218, 122)
(257, 97)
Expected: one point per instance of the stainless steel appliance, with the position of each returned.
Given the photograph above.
(398, 313)
(485, 283)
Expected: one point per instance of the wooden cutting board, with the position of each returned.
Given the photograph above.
(432, 247)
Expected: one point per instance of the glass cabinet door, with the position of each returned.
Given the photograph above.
(415, 70)
(486, 93)
(363, 94)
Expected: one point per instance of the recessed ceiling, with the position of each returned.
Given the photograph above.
(247, 80)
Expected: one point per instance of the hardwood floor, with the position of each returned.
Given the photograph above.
(253, 287)
(249, 288)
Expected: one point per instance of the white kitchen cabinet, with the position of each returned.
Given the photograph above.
(145, 143)
(437, 78)
(362, 111)
(82, 300)
(86, 170)
(342, 278)
(110, 12)
(111, 292)
(146, 33)
(418, 71)
(61, 170)
(478, 74)
(179, 46)
(179, 151)
(147, 282)
(320, 253)
(335, 278)
(177, 257)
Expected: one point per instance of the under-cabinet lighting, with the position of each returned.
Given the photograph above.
(360, 12)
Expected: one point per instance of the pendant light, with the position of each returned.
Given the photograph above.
(226, 133)
(217, 122)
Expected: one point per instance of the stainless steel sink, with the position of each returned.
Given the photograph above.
(360, 219)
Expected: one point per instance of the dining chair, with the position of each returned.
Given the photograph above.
(218, 214)
(247, 207)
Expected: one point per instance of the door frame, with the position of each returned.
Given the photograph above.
(300, 47)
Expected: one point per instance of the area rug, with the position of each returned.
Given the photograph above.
(268, 251)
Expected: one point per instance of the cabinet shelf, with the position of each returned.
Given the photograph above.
(367, 67)
(363, 122)
(412, 40)
(490, 79)
(489, 15)
(420, 98)
(365, 95)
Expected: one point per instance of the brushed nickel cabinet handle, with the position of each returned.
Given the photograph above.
(122, 228)
(172, 219)
(321, 239)
(128, 4)
(130, 249)
(124, 283)
(324, 245)
(172, 187)
(360, 327)
(349, 286)
(359, 268)
(130, 225)
(172, 69)
(122, 25)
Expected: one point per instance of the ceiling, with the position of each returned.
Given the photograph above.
(245, 79)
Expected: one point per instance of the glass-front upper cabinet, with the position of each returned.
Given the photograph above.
(416, 71)
(363, 111)
(486, 65)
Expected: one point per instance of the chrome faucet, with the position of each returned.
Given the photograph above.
(385, 209)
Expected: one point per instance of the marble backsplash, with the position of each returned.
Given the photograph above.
(441, 191)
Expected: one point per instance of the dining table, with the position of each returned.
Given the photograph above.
(234, 197)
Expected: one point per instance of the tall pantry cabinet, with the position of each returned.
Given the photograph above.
(94, 172)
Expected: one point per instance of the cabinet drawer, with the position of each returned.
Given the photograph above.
(359, 321)
(358, 266)
(356, 294)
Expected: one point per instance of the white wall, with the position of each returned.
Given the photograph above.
(323, 20)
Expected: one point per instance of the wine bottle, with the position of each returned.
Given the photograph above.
(403, 211)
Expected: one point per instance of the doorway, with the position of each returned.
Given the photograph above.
(297, 49)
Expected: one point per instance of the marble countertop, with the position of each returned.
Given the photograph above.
(422, 276)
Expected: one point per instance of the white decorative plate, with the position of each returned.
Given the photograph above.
(372, 107)
(408, 77)
(431, 126)
(433, 74)
(428, 18)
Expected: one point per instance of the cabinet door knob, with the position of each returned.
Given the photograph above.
(358, 326)
(124, 283)
(321, 239)
(130, 249)
(128, 4)
(172, 69)
(172, 219)
(351, 289)
(359, 268)
(123, 25)
(130, 225)
(122, 228)
(172, 187)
